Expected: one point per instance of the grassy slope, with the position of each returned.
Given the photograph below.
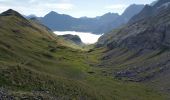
(32, 59)
(152, 68)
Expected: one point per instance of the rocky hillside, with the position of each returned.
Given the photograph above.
(139, 51)
(150, 33)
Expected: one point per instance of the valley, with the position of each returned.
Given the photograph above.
(37, 64)
(131, 62)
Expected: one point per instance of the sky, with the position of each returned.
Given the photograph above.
(75, 8)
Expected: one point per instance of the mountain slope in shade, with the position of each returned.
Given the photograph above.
(148, 11)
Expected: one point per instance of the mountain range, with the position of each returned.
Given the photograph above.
(98, 25)
(68, 23)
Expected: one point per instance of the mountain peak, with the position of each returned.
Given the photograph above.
(135, 8)
(11, 12)
(52, 13)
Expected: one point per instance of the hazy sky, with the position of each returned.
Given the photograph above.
(76, 8)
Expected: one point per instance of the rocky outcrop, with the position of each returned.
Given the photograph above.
(74, 38)
(139, 51)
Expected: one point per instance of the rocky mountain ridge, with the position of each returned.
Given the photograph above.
(98, 25)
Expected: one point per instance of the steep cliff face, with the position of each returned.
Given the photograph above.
(150, 33)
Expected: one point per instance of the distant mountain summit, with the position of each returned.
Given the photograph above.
(97, 25)
(122, 19)
(62, 22)
(57, 21)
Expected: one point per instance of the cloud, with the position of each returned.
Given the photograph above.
(116, 6)
(65, 0)
(36, 7)
(60, 6)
